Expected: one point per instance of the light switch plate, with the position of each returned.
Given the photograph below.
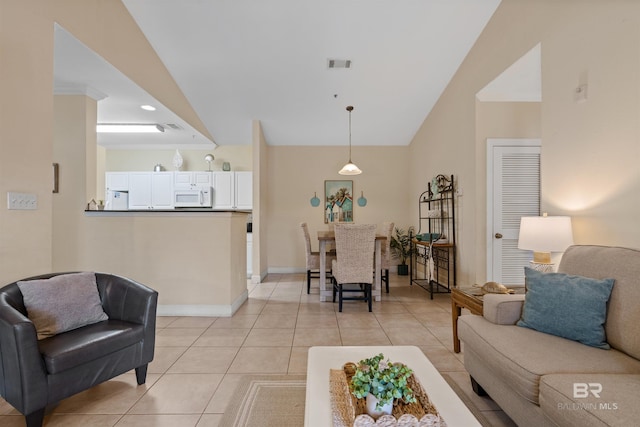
(22, 201)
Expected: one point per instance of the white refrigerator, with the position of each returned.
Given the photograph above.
(117, 200)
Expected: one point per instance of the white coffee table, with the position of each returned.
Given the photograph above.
(322, 359)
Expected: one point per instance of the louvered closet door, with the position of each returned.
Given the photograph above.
(513, 191)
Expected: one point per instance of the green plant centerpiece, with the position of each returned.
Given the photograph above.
(385, 380)
(401, 248)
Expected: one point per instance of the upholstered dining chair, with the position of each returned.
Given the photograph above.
(387, 229)
(313, 258)
(353, 266)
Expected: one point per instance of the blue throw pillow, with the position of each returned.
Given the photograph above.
(568, 306)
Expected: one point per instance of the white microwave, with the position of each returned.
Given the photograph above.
(193, 198)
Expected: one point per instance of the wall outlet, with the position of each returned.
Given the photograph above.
(22, 201)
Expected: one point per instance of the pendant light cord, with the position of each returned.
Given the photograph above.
(350, 109)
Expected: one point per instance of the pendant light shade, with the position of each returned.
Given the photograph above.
(350, 168)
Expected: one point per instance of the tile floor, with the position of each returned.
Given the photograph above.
(199, 360)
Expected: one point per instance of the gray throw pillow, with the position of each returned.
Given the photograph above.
(62, 303)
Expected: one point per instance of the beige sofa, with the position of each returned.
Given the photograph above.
(540, 379)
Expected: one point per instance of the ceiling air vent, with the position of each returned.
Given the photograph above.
(339, 63)
(173, 126)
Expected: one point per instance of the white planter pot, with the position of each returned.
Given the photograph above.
(372, 401)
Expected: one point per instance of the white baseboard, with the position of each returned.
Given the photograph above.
(214, 310)
(286, 270)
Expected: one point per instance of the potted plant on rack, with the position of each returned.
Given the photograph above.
(401, 248)
(381, 382)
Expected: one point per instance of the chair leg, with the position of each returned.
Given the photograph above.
(308, 281)
(35, 419)
(333, 287)
(386, 278)
(141, 374)
(340, 298)
(369, 294)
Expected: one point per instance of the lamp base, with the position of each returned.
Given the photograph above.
(543, 267)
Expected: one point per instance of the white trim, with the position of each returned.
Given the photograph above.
(203, 310)
(286, 270)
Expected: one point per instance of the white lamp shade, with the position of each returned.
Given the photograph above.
(350, 169)
(545, 233)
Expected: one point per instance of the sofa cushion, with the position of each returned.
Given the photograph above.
(623, 264)
(616, 404)
(62, 303)
(569, 306)
(520, 356)
(79, 346)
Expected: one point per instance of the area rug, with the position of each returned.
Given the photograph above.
(278, 401)
(267, 401)
(467, 401)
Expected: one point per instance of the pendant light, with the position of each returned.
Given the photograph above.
(350, 168)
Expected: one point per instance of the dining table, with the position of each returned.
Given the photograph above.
(328, 236)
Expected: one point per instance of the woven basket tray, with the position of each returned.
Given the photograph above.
(346, 407)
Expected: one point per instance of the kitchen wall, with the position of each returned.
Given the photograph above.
(296, 173)
(590, 150)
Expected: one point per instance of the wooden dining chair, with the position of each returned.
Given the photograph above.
(313, 258)
(386, 258)
(353, 266)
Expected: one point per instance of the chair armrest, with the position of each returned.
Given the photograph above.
(130, 301)
(503, 309)
(23, 380)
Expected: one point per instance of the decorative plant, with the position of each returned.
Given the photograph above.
(384, 380)
(401, 244)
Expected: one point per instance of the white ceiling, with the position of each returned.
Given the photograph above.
(241, 60)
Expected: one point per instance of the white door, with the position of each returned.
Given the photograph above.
(513, 191)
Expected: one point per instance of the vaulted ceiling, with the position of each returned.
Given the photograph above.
(241, 60)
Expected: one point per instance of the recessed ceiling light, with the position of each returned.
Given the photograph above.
(148, 107)
(128, 128)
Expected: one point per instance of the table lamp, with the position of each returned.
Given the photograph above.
(543, 235)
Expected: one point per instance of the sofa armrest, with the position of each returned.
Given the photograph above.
(23, 380)
(503, 309)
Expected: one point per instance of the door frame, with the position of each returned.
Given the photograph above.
(491, 143)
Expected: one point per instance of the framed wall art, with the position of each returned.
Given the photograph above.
(338, 201)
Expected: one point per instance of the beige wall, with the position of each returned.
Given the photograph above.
(26, 108)
(589, 150)
(26, 122)
(260, 204)
(296, 173)
(496, 120)
(239, 156)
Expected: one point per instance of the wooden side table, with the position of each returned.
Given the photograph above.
(463, 298)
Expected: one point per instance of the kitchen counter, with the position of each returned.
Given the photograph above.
(194, 258)
(172, 211)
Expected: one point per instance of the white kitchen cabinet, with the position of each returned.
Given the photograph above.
(162, 190)
(233, 190)
(244, 190)
(186, 180)
(150, 190)
(117, 181)
(223, 190)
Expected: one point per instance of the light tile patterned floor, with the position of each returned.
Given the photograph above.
(200, 360)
